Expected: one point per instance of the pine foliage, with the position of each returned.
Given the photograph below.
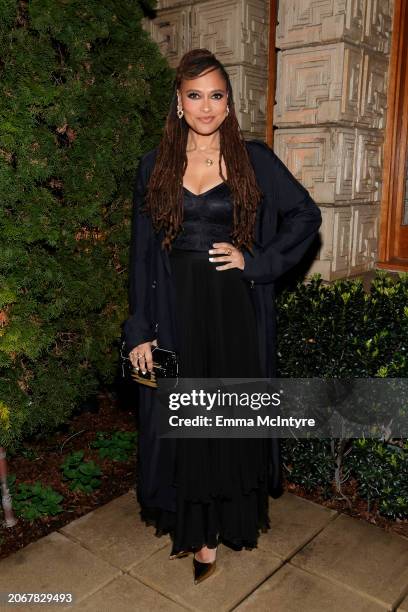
(84, 92)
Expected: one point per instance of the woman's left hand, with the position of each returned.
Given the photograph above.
(227, 253)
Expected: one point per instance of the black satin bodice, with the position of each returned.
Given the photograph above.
(208, 218)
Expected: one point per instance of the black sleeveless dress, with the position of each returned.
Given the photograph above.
(221, 483)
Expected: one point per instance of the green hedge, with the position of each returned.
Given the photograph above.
(84, 92)
(339, 330)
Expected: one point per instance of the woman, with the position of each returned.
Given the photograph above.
(206, 249)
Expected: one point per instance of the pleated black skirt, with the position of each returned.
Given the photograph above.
(221, 483)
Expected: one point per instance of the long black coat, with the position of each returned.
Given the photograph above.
(287, 223)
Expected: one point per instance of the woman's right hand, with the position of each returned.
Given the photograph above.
(141, 356)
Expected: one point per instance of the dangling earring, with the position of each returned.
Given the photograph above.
(180, 111)
(227, 110)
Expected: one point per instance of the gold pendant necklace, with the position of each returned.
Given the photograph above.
(208, 160)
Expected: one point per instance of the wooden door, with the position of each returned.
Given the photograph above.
(393, 244)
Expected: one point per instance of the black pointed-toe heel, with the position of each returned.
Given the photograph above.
(202, 570)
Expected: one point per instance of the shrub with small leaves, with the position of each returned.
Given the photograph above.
(309, 463)
(382, 473)
(339, 330)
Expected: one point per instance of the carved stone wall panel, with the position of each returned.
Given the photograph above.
(215, 26)
(252, 108)
(319, 21)
(236, 31)
(368, 166)
(322, 159)
(318, 85)
(349, 236)
(344, 154)
(342, 241)
(170, 30)
(373, 96)
(249, 91)
(326, 234)
(322, 261)
(255, 33)
(365, 221)
(323, 21)
(308, 155)
(377, 25)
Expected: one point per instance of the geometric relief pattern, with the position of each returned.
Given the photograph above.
(377, 25)
(307, 154)
(349, 240)
(322, 159)
(336, 165)
(214, 26)
(249, 92)
(255, 33)
(373, 99)
(252, 117)
(302, 22)
(346, 163)
(365, 237)
(236, 32)
(170, 30)
(318, 21)
(342, 237)
(349, 237)
(318, 84)
(331, 113)
(323, 259)
(368, 166)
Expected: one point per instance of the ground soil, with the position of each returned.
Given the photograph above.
(107, 413)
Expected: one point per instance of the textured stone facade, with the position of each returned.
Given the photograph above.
(330, 107)
(330, 115)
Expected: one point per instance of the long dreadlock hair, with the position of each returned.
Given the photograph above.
(164, 197)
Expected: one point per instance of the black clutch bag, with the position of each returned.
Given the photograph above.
(165, 365)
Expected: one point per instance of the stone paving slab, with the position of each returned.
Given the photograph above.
(116, 533)
(126, 594)
(237, 574)
(54, 564)
(294, 521)
(291, 589)
(403, 607)
(363, 556)
(312, 559)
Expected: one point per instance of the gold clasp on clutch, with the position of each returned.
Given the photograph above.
(149, 382)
